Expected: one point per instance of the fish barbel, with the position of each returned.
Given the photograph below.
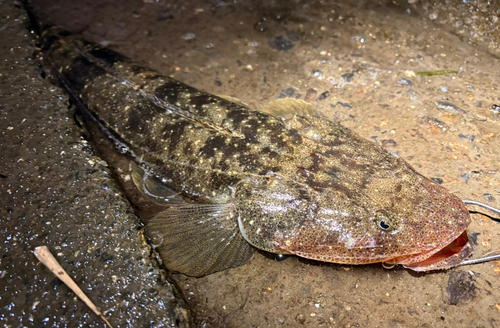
(233, 179)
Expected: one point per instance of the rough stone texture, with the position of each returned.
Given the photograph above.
(55, 192)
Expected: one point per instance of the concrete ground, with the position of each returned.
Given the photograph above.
(54, 191)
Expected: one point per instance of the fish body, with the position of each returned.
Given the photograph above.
(233, 179)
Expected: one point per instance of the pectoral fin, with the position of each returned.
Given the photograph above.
(152, 189)
(199, 239)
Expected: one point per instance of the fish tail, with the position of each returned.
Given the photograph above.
(36, 23)
(46, 32)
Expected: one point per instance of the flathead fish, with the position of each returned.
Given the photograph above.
(233, 179)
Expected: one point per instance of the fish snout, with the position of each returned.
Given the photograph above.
(442, 233)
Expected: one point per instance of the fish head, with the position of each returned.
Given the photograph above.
(406, 219)
(435, 228)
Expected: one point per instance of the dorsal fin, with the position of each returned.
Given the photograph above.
(288, 107)
(234, 100)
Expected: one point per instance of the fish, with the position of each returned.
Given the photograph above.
(232, 180)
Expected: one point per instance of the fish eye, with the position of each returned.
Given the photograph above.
(382, 221)
(383, 224)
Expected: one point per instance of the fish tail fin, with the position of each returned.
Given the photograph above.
(199, 239)
(47, 33)
(36, 23)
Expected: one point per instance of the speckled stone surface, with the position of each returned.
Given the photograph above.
(55, 192)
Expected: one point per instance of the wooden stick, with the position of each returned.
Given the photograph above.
(43, 255)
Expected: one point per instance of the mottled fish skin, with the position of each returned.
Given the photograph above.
(302, 185)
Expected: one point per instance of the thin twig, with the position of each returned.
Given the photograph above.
(43, 255)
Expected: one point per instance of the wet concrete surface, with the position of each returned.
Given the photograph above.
(55, 192)
(365, 64)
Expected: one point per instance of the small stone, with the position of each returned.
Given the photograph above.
(300, 318)
(324, 95)
(409, 73)
(188, 36)
(404, 81)
(495, 109)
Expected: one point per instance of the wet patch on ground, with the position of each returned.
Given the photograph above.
(461, 287)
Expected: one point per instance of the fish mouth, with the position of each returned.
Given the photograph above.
(441, 259)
